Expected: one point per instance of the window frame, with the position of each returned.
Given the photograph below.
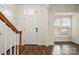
(61, 27)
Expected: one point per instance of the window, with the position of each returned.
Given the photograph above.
(66, 22)
(62, 26)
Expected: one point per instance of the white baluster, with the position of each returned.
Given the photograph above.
(5, 38)
(11, 43)
(15, 44)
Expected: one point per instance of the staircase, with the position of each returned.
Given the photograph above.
(6, 22)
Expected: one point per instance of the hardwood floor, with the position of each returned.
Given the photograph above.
(37, 50)
(65, 48)
(60, 48)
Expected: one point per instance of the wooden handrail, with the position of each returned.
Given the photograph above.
(7, 22)
(10, 25)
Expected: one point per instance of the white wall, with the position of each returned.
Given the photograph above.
(2, 41)
(10, 13)
(75, 28)
(50, 27)
(64, 8)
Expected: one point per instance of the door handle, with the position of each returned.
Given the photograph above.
(36, 29)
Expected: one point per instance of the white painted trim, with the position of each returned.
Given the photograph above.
(5, 37)
(11, 45)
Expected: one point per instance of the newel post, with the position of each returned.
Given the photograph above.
(20, 42)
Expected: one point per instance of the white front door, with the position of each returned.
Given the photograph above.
(31, 26)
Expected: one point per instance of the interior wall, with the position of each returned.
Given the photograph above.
(75, 28)
(64, 8)
(2, 37)
(10, 13)
(50, 27)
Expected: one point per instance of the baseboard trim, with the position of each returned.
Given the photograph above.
(66, 42)
(62, 41)
(37, 45)
(75, 43)
(30, 44)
